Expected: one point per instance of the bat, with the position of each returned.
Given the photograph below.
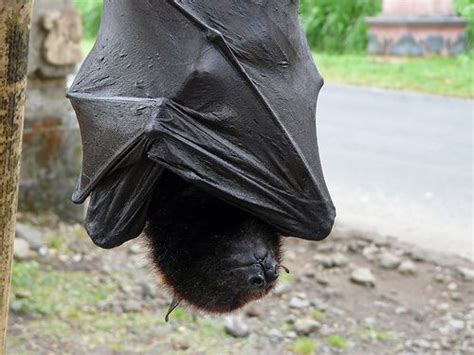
(219, 98)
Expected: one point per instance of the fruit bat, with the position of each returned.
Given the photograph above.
(198, 127)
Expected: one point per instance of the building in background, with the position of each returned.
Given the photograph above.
(417, 28)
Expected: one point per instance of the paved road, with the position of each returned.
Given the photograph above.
(400, 164)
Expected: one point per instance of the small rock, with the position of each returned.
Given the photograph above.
(456, 324)
(339, 260)
(326, 247)
(369, 252)
(452, 286)
(298, 303)
(77, 258)
(291, 319)
(389, 261)
(456, 296)
(439, 278)
(236, 327)
(306, 326)
(23, 294)
(43, 251)
(29, 234)
(407, 267)
(443, 307)
(132, 306)
(363, 276)
(136, 249)
(422, 343)
(401, 310)
(322, 280)
(324, 260)
(149, 290)
(254, 312)
(291, 335)
(180, 344)
(21, 249)
(282, 288)
(275, 333)
(467, 273)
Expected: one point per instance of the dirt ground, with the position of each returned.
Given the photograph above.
(351, 294)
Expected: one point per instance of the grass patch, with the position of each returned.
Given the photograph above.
(375, 334)
(441, 76)
(336, 341)
(284, 277)
(39, 290)
(304, 346)
(318, 314)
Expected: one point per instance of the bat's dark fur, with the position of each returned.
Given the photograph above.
(212, 255)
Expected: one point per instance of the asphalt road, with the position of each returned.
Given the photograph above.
(400, 164)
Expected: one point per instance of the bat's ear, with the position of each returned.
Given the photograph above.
(119, 204)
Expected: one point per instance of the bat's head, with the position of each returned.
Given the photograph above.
(210, 254)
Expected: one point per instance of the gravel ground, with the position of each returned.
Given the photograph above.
(351, 294)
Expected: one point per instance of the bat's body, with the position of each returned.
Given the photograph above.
(223, 95)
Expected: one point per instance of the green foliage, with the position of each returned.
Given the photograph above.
(91, 12)
(336, 341)
(304, 346)
(440, 76)
(465, 8)
(337, 26)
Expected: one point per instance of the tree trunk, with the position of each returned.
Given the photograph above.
(14, 35)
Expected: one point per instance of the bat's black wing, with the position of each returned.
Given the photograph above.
(223, 93)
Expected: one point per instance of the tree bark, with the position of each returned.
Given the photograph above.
(14, 36)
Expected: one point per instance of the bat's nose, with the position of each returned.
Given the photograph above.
(257, 281)
(271, 271)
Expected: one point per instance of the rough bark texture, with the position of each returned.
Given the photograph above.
(14, 34)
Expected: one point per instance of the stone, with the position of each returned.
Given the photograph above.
(407, 267)
(62, 45)
(236, 327)
(43, 252)
(456, 324)
(254, 312)
(452, 286)
(132, 306)
(339, 260)
(275, 333)
(136, 249)
(298, 303)
(77, 258)
(369, 252)
(30, 234)
(466, 273)
(149, 290)
(282, 288)
(21, 249)
(322, 280)
(306, 326)
(389, 261)
(456, 296)
(363, 276)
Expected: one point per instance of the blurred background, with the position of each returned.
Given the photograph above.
(395, 126)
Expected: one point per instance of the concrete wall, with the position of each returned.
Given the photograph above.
(51, 149)
(417, 28)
